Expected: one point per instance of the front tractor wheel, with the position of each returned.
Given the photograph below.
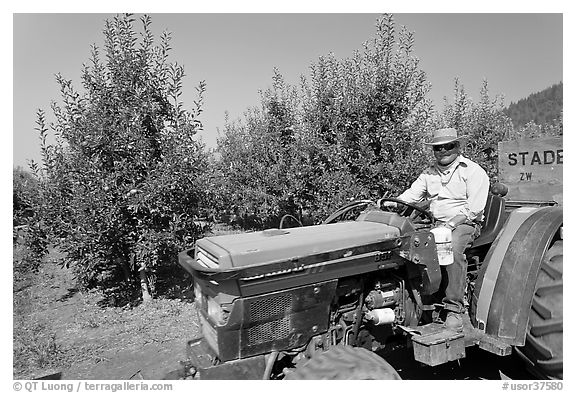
(344, 362)
(544, 339)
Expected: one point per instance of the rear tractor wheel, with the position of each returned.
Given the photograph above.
(542, 351)
(344, 362)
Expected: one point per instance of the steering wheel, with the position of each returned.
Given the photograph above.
(346, 209)
(410, 210)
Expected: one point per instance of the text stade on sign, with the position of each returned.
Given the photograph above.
(536, 158)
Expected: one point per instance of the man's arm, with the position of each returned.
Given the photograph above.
(414, 194)
(417, 191)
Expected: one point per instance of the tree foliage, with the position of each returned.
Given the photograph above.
(25, 196)
(554, 128)
(352, 129)
(30, 234)
(543, 107)
(123, 181)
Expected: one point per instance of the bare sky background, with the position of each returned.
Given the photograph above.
(235, 54)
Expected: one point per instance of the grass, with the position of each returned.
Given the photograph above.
(35, 347)
(34, 341)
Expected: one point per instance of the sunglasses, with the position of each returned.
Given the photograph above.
(447, 146)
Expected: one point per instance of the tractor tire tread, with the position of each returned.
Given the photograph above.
(551, 271)
(546, 290)
(542, 351)
(541, 309)
(548, 326)
(344, 362)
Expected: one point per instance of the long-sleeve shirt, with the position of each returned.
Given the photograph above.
(462, 188)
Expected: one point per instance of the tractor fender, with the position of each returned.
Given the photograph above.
(500, 304)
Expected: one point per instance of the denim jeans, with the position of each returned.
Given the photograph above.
(454, 275)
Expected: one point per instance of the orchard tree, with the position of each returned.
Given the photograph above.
(30, 232)
(372, 110)
(353, 129)
(25, 196)
(124, 180)
(258, 157)
(555, 128)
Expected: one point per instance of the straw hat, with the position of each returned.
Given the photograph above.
(445, 135)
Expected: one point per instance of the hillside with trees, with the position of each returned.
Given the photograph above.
(540, 108)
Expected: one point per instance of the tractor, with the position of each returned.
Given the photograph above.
(316, 302)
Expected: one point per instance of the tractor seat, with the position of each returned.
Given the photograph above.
(494, 218)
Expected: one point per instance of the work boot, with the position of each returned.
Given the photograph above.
(454, 321)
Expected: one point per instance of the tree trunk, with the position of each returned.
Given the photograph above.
(125, 268)
(144, 286)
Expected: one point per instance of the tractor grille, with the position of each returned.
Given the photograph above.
(269, 331)
(270, 307)
(265, 309)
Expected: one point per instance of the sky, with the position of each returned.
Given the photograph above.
(235, 54)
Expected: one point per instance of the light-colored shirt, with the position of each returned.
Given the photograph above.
(461, 188)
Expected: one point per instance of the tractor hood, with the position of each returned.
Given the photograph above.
(231, 252)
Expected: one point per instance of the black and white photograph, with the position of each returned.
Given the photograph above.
(311, 195)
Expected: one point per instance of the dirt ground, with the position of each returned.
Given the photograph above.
(58, 329)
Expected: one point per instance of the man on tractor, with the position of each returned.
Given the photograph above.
(457, 189)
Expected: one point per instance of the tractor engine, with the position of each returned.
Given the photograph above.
(386, 304)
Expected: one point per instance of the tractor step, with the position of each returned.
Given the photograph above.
(433, 344)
